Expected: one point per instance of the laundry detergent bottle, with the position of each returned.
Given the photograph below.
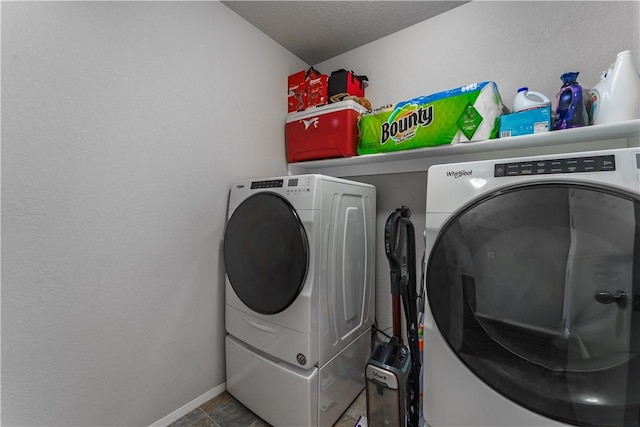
(616, 97)
(570, 112)
(527, 99)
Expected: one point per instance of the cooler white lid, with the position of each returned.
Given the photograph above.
(329, 108)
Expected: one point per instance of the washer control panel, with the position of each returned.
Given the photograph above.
(299, 185)
(272, 183)
(544, 167)
(289, 186)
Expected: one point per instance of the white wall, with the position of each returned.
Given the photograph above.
(123, 124)
(514, 43)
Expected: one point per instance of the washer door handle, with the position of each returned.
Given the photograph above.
(604, 297)
(260, 326)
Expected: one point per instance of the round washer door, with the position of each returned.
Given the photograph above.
(266, 253)
(536, 289)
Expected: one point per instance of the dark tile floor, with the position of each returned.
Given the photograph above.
(225, 411)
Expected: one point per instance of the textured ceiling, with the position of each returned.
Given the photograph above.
(318, 30)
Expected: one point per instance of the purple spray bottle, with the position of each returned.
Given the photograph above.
(571, 111)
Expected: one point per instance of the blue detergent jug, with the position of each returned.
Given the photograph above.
(571, 111)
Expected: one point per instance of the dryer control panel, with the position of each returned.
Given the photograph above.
(553, 166)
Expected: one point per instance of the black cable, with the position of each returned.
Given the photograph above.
(382, 331)
(421, 300)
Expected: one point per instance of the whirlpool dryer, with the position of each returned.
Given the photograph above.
(533, 289)
(299, 256)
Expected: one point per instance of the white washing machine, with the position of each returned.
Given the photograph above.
(533, 288)
(299, 254)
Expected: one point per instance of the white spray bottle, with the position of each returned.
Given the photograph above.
(616, 97)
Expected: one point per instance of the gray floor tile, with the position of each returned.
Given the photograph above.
(225, 411)
(346, 421)
(359, 406)
(217, 401)
(195, 418)
(232, 414)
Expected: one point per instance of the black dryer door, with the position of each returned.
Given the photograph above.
(266, 253)
(537, 290)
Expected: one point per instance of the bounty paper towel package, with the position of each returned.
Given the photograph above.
(468, 113)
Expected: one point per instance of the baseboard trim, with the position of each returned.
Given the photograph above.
(185, 409)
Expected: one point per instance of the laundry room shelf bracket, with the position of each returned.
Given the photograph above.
(601, 137)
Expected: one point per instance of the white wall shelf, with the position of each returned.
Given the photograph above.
(615, 135)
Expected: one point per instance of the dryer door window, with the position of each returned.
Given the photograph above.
(537, 290)
(266, 253)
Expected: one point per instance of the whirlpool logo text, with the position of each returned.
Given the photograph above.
(458, 174)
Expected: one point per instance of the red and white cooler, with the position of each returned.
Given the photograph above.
(323, 132)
